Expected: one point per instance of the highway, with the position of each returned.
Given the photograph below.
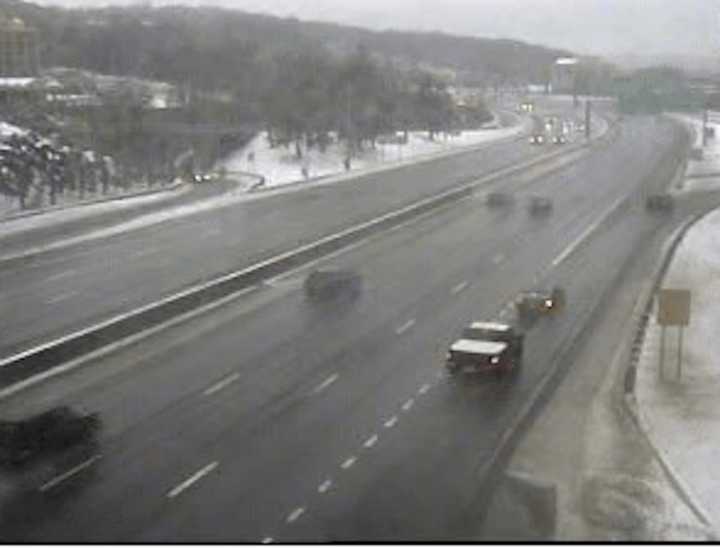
(50, 294)
(276, 419)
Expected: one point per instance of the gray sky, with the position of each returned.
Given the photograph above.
(646, 27)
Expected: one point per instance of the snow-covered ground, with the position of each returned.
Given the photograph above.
(703, 174)
(683, 415)
(280, 166)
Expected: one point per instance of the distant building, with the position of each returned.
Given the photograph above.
(562, 77)
(18, 48)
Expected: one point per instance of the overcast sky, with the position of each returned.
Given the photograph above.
(647, 27)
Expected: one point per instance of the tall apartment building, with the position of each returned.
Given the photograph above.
(18, 48)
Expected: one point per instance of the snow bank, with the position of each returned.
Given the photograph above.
(684, 415)
(280, 166)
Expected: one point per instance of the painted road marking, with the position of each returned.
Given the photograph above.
(60, 275)
(459, 287)
(408, 404)
(325, 486)
(404, 327)
(423, 389)
(295, 514)
(586, 233)
(197, 476)
(391, 422)
(227, 381)
(70, 473)
(371, 441)
(327, 382)
(348, 463)
(61, 297)
(497, 259)
(268, 540)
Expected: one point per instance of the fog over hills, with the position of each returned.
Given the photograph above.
(634, 29)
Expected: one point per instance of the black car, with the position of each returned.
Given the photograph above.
(660, 203)
(44, 434)
(540, 205)
(333, 284)
(499, 199)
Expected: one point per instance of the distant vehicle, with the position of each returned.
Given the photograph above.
(48, 433)
(332, 284)
(537, 139)
(200, 178)
(540, 205)
(499, 199)
(530, 305)
(580, 128)
(527, 106)
(660, 203)
(486, 347)
(559, 140)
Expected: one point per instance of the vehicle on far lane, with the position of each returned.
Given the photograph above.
(530, 305)
(537, 139)
(499, 199)
(540, 206)
(324, 285)
(660, 203)
(559, 140)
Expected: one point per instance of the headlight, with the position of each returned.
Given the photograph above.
(494, 360)
(549, 303)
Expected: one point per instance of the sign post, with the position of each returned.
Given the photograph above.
(673, 310)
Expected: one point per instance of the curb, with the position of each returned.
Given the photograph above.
(22, 215)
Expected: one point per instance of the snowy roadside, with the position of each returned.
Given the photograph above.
(683, 414)
(279, 166)
(704, 173)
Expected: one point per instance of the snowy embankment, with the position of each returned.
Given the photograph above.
(683, 414)
(280, 166)
(702, 174)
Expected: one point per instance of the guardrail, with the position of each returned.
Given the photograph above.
(33, 361)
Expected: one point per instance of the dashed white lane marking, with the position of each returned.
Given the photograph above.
(408, 404)
(70, 473)
(295, 514)
(61, 297)
(227, 381)
(423, 389)
(391, 422)
(371, 441)
(497, 259)
(586, 233)
(60, 275)
(459, 287)
(348, 463)
(327, 382)
(197, 476)
(145, 252)
(404, 327)
(325, 486)
(268, 540)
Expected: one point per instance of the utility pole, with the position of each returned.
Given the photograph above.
(587, 118)
(704, 126)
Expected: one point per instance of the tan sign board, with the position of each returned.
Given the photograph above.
(674, 307)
